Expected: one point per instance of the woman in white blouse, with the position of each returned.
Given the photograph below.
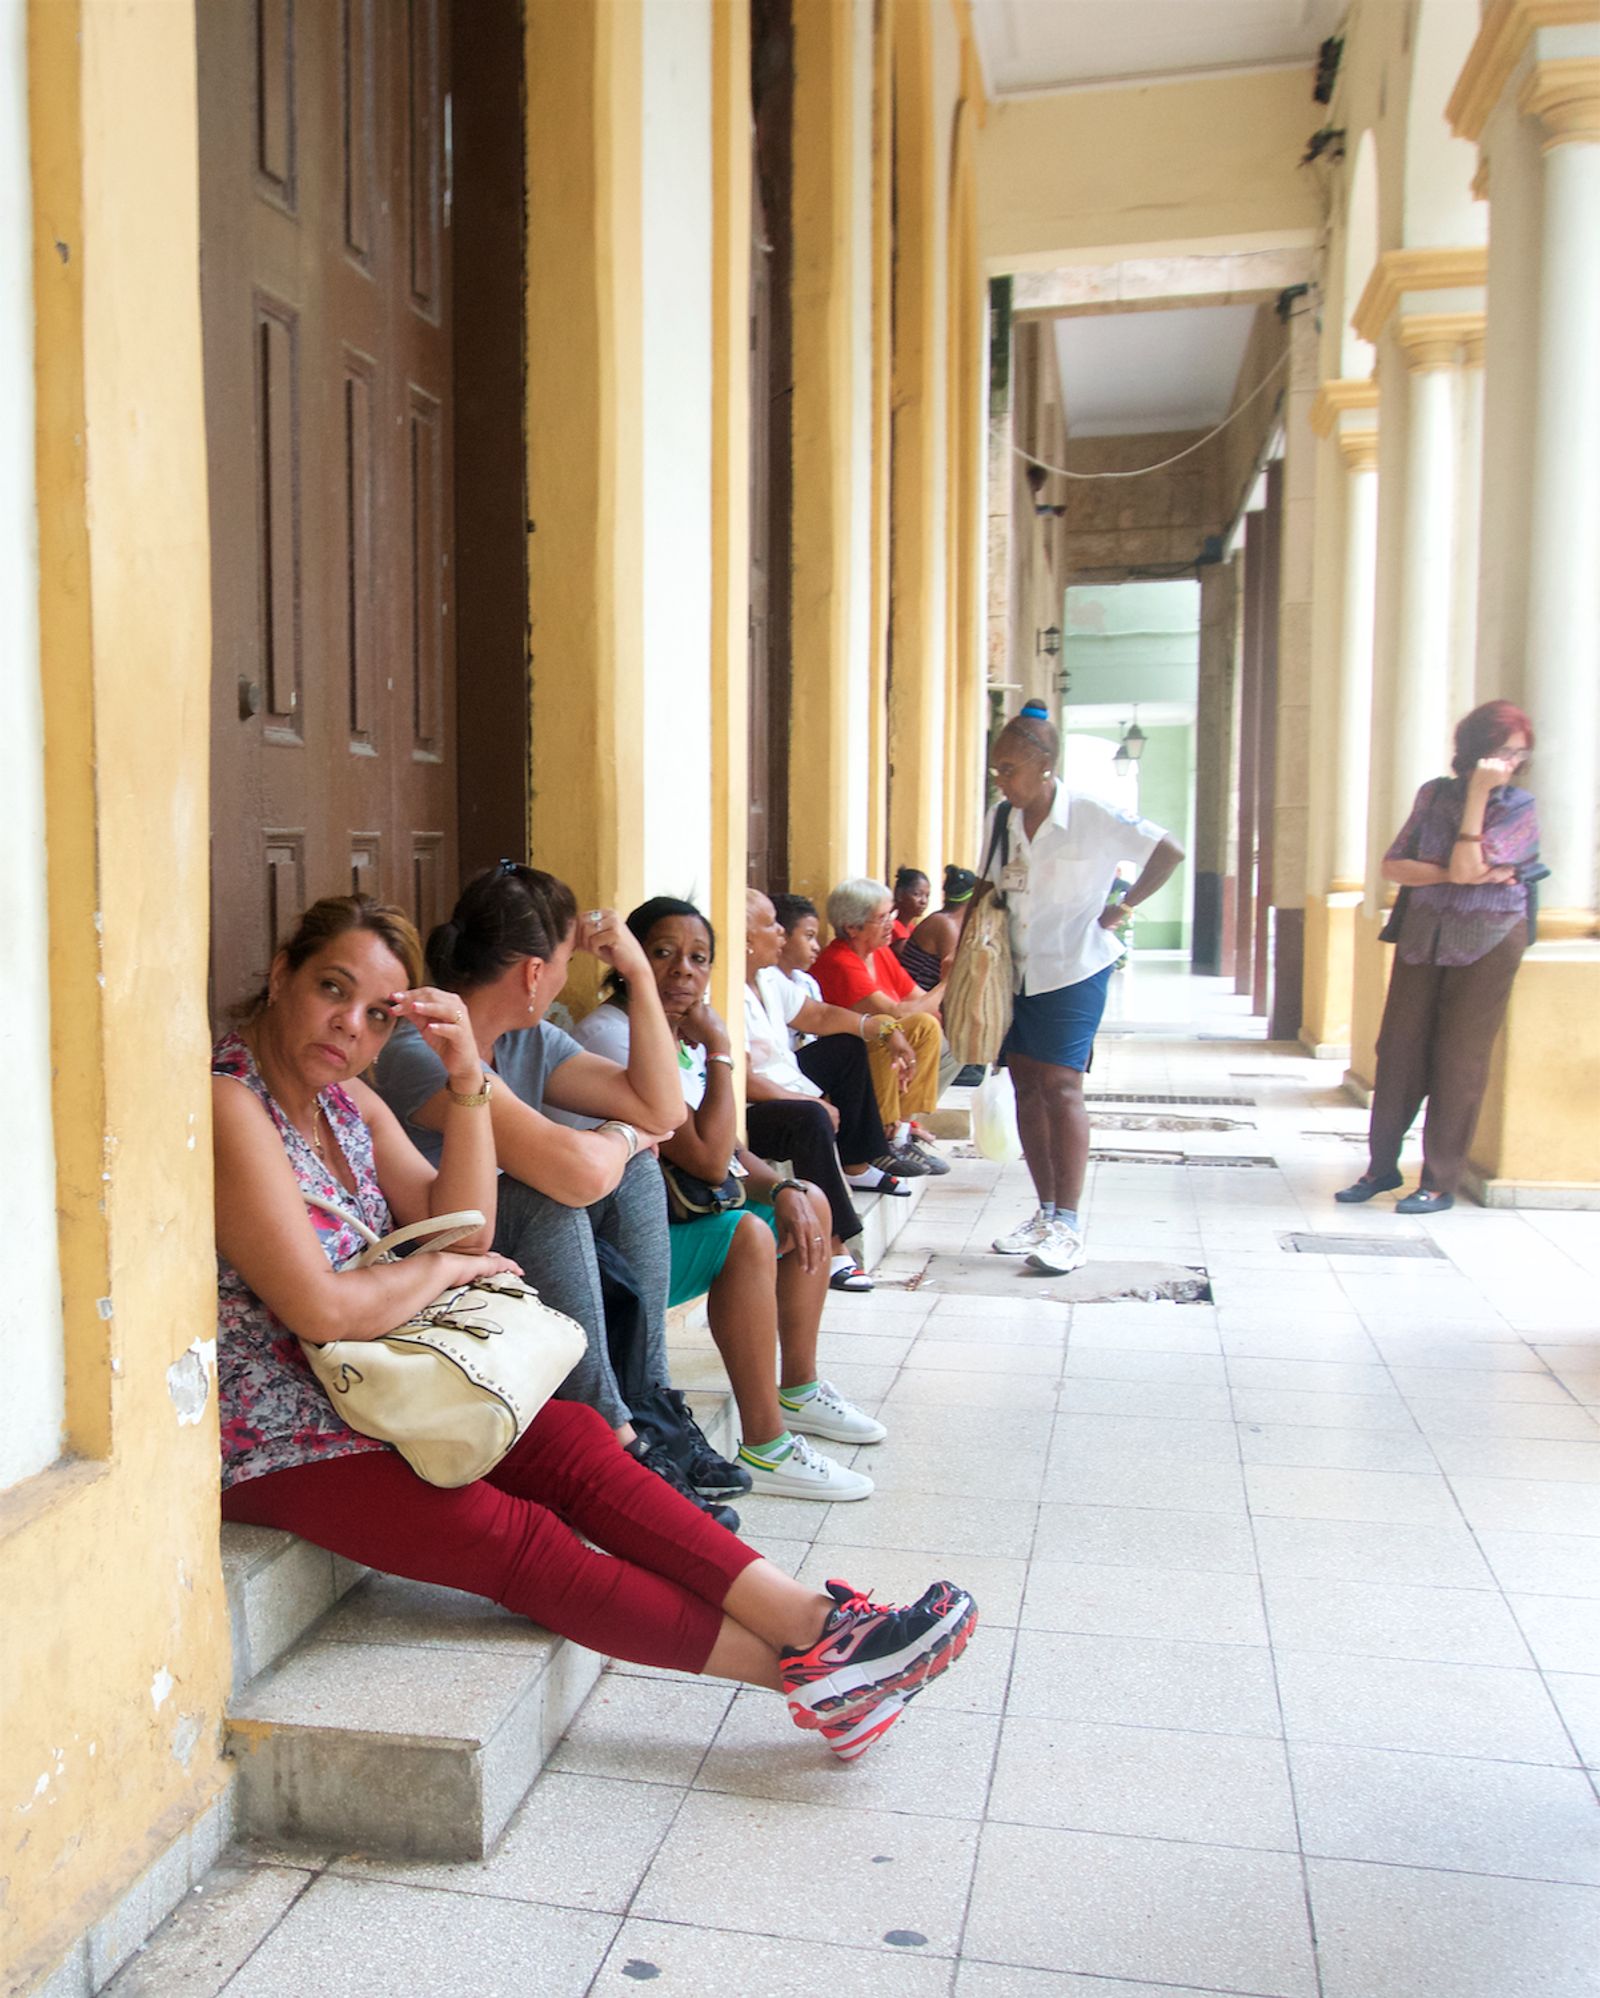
(1054, 855)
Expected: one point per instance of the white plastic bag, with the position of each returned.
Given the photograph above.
(994, 1118)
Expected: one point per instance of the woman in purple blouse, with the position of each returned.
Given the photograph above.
(1460, 862)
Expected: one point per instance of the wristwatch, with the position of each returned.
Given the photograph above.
(478, 1097)
(785, 1186)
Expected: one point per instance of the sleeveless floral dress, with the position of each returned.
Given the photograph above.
(274, 1412)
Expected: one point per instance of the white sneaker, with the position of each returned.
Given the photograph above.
(805, 1473)
(1061, 1250)
(827, 1414)
(1021, 1240)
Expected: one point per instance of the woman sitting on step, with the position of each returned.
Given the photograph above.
(504, 953)
(671, 1587)
(763, 1267)
(815, 1108)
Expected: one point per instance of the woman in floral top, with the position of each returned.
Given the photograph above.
(1459, 861)
(672, 1587)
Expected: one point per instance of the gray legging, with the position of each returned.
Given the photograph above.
(555, 1246)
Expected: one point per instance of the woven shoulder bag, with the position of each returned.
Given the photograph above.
(977, 999)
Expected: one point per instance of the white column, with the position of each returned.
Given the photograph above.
(1562, 667)
(1417, 717)
(1353, 741)
(1464, 692)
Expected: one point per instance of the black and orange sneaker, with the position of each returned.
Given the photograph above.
(854, 1735)
(868, 1651)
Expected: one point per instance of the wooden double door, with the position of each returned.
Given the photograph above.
(326, 249)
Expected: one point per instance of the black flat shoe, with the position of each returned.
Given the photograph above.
(1426, 1200)
(1368, 1187)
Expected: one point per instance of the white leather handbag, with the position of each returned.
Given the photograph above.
(458, 1384)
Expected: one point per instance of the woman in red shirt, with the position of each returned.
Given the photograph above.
(860, 971)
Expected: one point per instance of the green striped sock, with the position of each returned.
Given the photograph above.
(768, 1456)
(797, 1397)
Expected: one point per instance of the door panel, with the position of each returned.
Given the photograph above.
(326, 288)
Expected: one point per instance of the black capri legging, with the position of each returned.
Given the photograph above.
(837, 1064)
(799, 1130)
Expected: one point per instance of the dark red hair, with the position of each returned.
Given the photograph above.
(1486, 730)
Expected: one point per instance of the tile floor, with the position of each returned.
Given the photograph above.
(1289, 1677)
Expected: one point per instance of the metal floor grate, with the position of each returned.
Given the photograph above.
(1195, 1160)
(1093, 1096)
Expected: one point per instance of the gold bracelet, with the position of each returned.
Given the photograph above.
(477, 1099)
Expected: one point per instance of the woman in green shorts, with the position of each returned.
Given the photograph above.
(763, 1265)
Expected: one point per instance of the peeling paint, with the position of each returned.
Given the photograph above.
(189, 1380)
(161, 1688)
(103, 1306)
(185, 1737)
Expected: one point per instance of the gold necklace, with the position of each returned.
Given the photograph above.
(316, 1143)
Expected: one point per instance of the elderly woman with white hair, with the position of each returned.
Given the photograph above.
(860, 972)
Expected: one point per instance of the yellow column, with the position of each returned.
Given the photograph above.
(820, 419)
(585, 448)
(963, 794)
(882, 437)
(917, 631)
(1345, 417)
(1538, 1140)
(730, 503)
(114, 1640)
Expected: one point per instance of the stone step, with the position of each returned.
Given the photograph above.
(278, 1586)
(389, 1716)
(412, 1721)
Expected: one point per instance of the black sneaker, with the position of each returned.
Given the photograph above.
(901, 1162)
(655, 1458)
(868, 1651)
(708, 1473)
(922, 1149)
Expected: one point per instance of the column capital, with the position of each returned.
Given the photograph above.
(1399, 273)
(1432, 340)
(1480, 179)
(1565, 97)
(1360, 448)
(1338, 394)
(1508, 27)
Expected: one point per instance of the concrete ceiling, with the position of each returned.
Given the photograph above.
(1032, 45)
(1123, 373)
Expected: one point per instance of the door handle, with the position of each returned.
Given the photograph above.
(249, 699)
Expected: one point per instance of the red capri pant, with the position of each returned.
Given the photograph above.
(654, 1597)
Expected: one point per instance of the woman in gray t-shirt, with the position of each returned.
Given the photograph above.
(504, 952)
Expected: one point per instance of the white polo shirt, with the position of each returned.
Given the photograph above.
(1069, 866)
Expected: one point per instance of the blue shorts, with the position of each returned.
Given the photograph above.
(1059, 1027)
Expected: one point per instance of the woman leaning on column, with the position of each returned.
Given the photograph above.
(1462, 861)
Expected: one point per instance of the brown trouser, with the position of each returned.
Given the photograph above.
(1439, 1024)
(921, 1093)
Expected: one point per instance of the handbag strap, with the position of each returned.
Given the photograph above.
(447, 1228)
(1001, 837)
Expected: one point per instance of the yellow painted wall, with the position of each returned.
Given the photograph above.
(820, 415)
(1211, 163)
(1540, 1123)
(114, 1646)
(1329, 971)
(919, 440)
(585, 457)
(730, 507)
